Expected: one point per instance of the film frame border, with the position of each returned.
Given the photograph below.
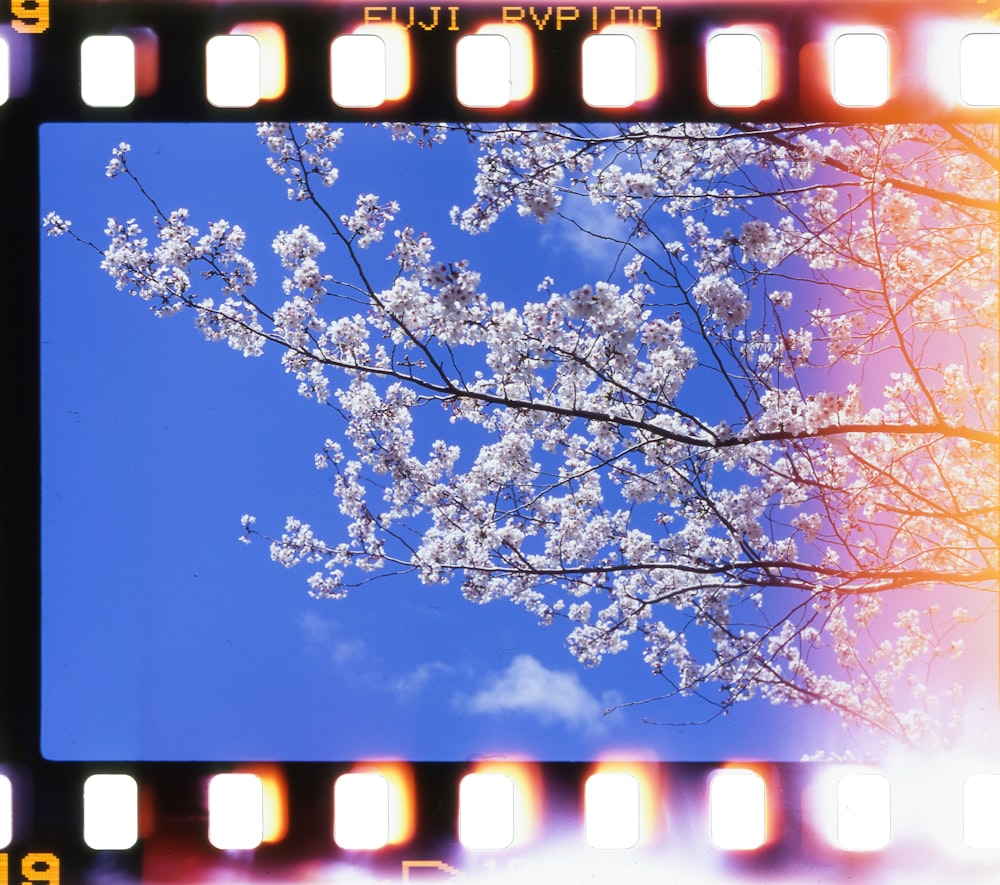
(55, 96)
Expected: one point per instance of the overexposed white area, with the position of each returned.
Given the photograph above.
(235, 811)
(863, 812)
(358, 71)
(979, 69)
(110, 812)
(6, 811)
(361, 811)
(483, 71)
(232, 71)
(861, 70)
(4, 71)
(610, 70)
(981, 818)
(737, 803)
(735, 70)
(107, 71)
(612, 810)
(486, 811)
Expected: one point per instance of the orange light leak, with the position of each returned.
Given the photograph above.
(528, 796)
(147, 62)
(647, 74)
(402, 796)
(945, 48)
(398, 77)
(773, 819)
(649, 776)
(273, 61)
(770, 52)
(275, 790)
(522, 61)
(964, 343)
(816, 60)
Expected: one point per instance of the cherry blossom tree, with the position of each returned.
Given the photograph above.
(762, 448)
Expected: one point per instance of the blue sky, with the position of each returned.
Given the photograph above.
(166, 638)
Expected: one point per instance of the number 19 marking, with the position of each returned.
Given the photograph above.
(35, 867)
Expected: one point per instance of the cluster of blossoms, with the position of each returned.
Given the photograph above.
(164, 275)
(297, 156)
(116, 166)
(423, 134)
(726, 301)
(367, 222)
(761, 242)
(666, 455)
(55, 225)
(297, 251)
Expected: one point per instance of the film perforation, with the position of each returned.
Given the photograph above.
(833, 153)
(796, 58)
(754, 826)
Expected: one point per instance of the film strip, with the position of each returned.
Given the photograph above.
(724, 431)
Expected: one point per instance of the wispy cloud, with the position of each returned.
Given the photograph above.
(343, 651)
(315, 628)
(528, 687)
(596, 244)
(320, 632)
(411, 683)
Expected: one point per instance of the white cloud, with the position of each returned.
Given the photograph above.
(526, 686)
